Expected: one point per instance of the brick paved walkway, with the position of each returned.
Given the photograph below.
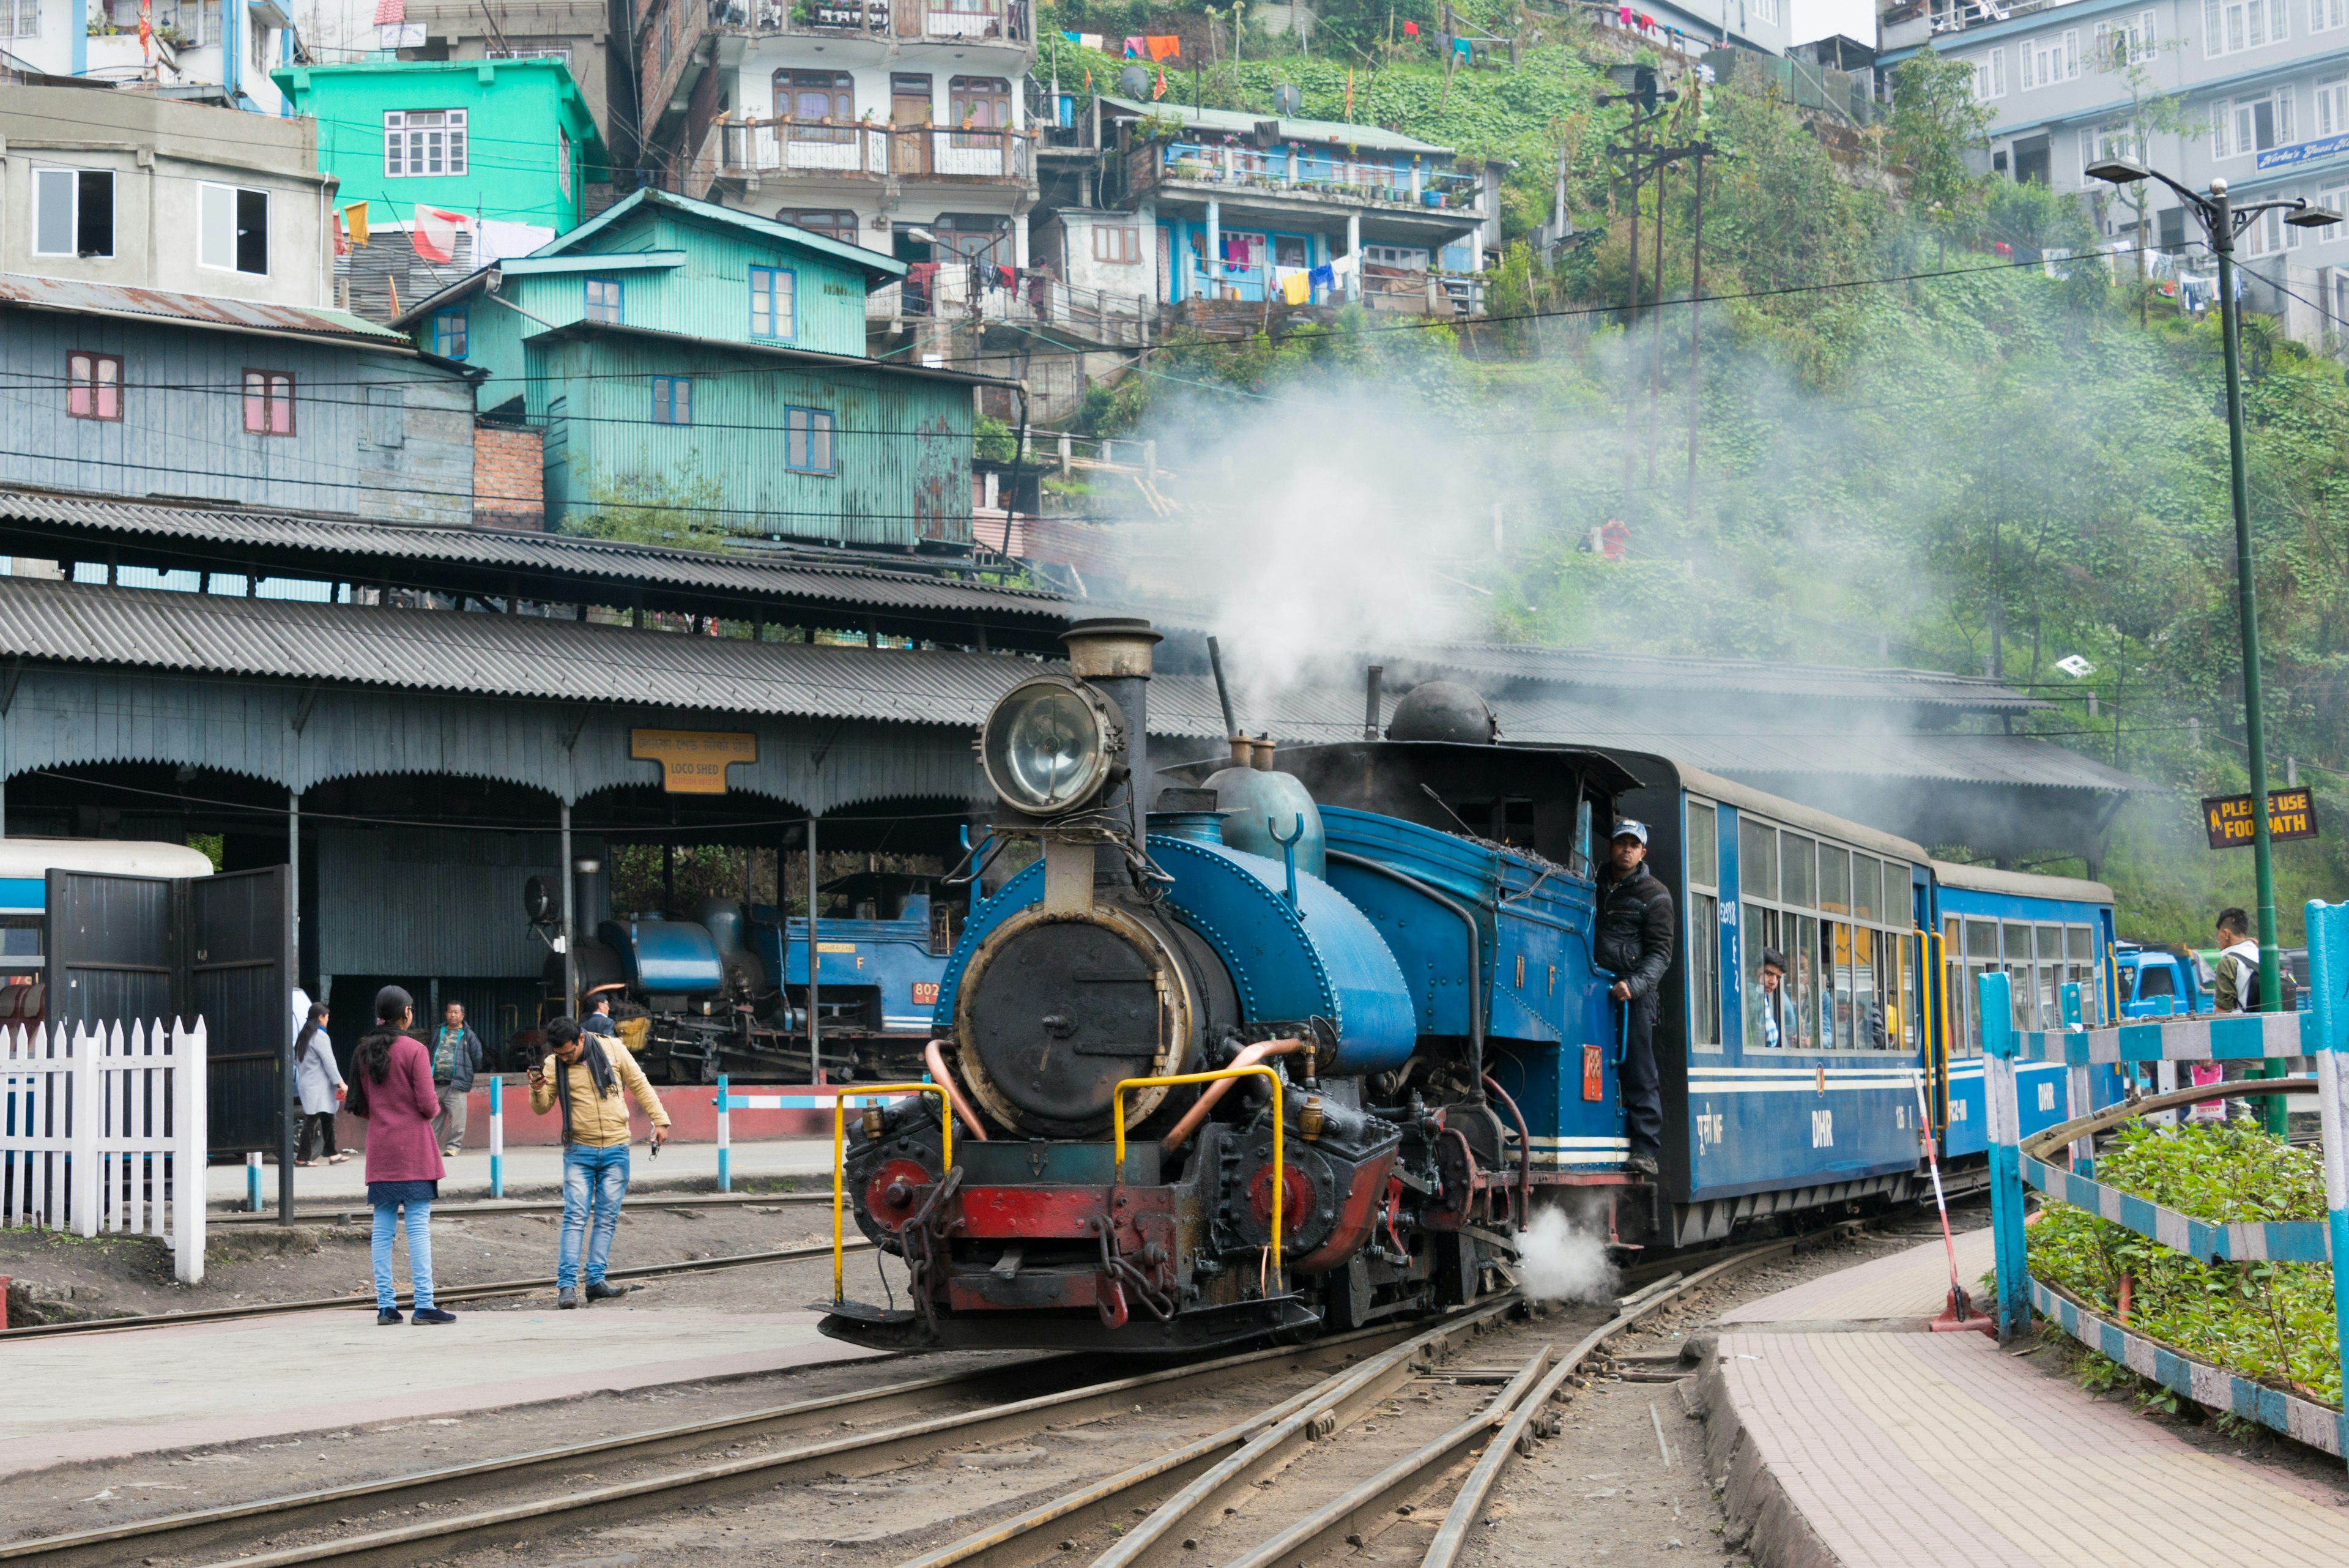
(1911, 1284)
(1901, 1449)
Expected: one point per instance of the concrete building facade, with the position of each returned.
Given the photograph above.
(140, 191)
(209, 50)
(2255, 92)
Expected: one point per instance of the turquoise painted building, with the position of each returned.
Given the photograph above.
(679, 355)
(497, 140)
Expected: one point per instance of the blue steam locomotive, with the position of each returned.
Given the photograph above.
(1304, 1047)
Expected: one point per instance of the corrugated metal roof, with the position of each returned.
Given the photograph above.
(72, 294)
(1595, 667)
(530, 656)
(494, 655)
(368, 544)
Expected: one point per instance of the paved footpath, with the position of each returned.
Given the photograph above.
(87, 1396)
(1853, 1440)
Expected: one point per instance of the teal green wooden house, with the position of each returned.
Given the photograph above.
(496, 141)
(681, 357)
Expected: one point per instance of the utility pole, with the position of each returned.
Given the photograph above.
(1696, 325)
(1656, 365)
(2222, 222)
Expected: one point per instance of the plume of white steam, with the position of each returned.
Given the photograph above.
(1345, 517)
(1557, 1263)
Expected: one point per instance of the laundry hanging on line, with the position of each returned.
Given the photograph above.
(1163, 46)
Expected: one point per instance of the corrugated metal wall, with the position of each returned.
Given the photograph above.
(432, 902)
(902, 458)
(342, 456)
(61, 718)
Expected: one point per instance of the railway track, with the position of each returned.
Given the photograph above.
(505, 1501)
(357, 1210)
(444, 1294)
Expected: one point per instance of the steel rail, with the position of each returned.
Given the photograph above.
(490, 1207)
(1197, 1480)
(406, 1298)
(866, 1451)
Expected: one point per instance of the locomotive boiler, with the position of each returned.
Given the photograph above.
(1155, 1038)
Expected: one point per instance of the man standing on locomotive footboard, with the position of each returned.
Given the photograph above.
(1634, 944)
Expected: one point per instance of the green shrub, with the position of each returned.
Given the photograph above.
(2268, 1320)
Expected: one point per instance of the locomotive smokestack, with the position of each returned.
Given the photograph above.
(1112, 655)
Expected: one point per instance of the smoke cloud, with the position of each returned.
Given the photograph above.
(1344, 516)
(1557, 1263)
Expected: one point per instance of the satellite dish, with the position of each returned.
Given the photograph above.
(1133, 81)
(1288, 98)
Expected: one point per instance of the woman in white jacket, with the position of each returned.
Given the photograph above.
(318, 1084)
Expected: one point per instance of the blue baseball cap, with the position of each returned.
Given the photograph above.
(1626, 827)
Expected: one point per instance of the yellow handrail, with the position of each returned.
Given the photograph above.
(840, 1156)
(1280, 1171)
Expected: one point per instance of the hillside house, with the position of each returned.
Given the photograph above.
(137, 392)
(682, 357)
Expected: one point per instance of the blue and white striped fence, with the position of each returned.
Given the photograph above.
(818, 1099)
(2323, 1032)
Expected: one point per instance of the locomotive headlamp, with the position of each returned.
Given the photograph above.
(1049, 745)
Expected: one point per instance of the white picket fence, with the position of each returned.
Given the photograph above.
(104, 1133)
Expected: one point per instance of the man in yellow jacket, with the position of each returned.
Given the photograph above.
(592, 1084)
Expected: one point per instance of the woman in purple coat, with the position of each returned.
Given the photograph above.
(391, 1087)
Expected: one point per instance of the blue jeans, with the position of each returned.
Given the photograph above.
(594, 1179)
(420, 1253)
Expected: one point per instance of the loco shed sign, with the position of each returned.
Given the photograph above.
(2292, 813)
(693, 761)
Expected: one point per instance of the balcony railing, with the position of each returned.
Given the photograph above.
(1383, 288)
(824, 150)
(1005, 21)
(960, 291)
(1304, 173)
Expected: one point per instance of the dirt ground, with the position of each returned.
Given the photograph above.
(57, 1277)
(1621, 1485)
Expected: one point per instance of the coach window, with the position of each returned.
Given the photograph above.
(1982, 958)
(1703, 928)
(2017, 965)
(1955, 1004)
(2082, 969)
(1799, 891)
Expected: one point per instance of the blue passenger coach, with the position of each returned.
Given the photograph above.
(1874, 933)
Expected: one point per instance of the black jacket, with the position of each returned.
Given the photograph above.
(1634, 936)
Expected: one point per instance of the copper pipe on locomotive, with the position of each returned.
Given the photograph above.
(1248, 1057)
(934, 1057)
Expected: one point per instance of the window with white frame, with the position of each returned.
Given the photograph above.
(2323, 15)
(2125, 42)
(2330, 115)
(2332, 198)
(2265, 237)
(233, 229)
(2241, 127)
(20, 18)
(2051, 59)
(73, 212)
(423, 143)
(1990, 75)
(2109, 142)
(2231, 26)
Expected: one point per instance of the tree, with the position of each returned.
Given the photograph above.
(2121, 54)
(1937, 120)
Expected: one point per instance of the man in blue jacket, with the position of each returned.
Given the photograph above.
(456, 1057)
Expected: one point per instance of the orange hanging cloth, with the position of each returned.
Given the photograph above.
(1161, 46)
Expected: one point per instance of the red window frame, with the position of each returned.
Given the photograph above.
(94, 386)
(269, 402)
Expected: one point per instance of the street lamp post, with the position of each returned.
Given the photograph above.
(2221, 222)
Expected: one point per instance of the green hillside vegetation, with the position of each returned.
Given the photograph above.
(1916, 445)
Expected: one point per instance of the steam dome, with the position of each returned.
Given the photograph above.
(1444, 710)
